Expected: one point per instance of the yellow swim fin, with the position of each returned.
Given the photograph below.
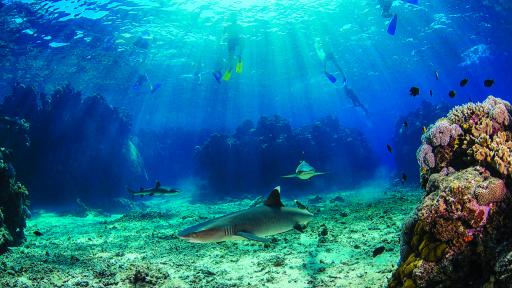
(227, 75)
(239, 67)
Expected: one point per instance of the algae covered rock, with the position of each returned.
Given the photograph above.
(13, 204)
(460, 234)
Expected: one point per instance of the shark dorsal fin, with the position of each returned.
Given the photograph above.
(157, 184)
(274, 199)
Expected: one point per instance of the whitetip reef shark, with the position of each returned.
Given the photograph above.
(253, 224)
(304, 171)
(157, 190)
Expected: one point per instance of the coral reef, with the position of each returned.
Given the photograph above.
(460, 233)
(255, 156)
(78, 147)
(471, 134)
(406, 137)
(13, 204)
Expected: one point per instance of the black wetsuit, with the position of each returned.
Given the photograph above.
(349, 92)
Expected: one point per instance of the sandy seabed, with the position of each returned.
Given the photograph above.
(141, 249)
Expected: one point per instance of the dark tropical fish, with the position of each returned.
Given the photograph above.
(452, 93)
(377, 251)
(155, 87)
(392, 25)
(404, 178)
(423, 130)
(405, 124)
(390, 149)
(488, 83)
(463, 82)
(414, 91)
(38, 233)
(430, 92)
(304, 171)
(157, 190)
(251, 224)
(330, 77)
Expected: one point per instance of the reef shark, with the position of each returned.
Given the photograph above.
(252, 224)
(157, 190)
(304, 171)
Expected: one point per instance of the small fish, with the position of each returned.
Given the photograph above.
(452, 93)
(38, 233)
(437, 75)
(414, 91)
(377, 251)
(390, 149)
(405, 124)
(404, 178)
(463, 82)
(155, 87)
(430, 92)
(488, 83)
(423, 130)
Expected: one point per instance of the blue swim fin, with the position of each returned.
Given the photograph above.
(330, 77)
(392, 25)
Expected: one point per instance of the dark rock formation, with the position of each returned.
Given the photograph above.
(13, 204)
(256, 156)
(77, 148)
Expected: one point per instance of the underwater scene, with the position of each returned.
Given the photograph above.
(255, 143)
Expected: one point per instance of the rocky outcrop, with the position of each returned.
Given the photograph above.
(13, 204)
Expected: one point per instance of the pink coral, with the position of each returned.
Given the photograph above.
(442, 132)
(425, 156)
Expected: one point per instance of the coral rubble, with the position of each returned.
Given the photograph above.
(460, 234)
(13, 204)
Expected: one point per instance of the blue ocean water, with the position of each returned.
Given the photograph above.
(157, 61)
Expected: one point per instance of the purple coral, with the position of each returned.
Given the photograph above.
(442, 132)
(425, 156)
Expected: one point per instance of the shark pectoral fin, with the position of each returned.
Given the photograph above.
(320, 173)
(290, 176)
(299, 227)
(252, 237)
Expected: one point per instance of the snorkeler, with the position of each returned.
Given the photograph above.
(233, 39)
(326, 55)
(385, 5)
(349, 92)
